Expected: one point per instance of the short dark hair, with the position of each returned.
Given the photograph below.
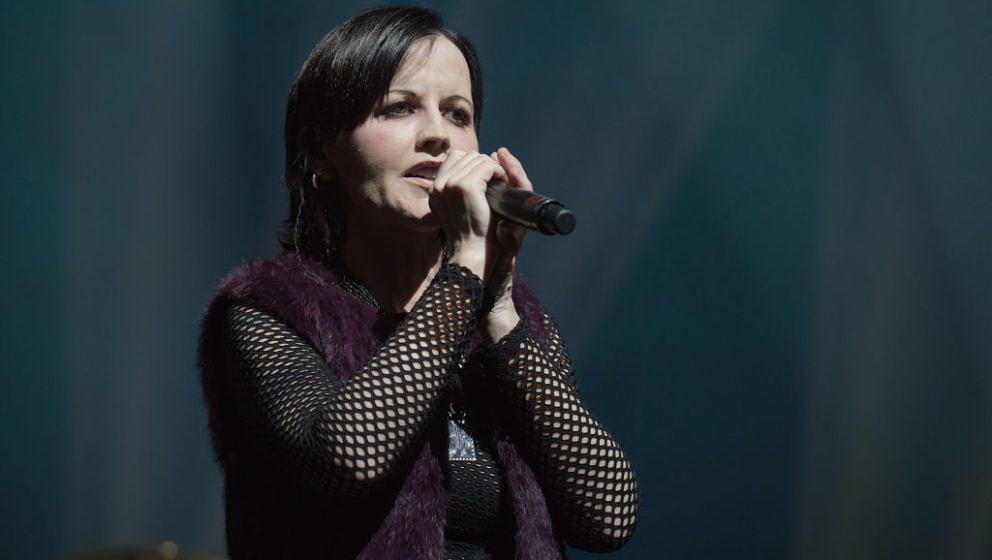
(346, 74)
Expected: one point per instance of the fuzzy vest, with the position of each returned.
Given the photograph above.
(346, 332)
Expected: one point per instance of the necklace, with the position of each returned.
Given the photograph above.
(364, 295)
(461, 445)
(359, 291)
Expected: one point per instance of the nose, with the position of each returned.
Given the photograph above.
(433, 135)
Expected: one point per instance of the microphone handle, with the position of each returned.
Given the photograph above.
(529, 209)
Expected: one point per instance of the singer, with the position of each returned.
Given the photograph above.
(386, 388)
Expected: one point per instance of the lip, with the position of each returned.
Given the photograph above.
(421, 182)
(424, 165)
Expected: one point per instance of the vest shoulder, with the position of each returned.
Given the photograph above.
(288, 287)
(285, 273)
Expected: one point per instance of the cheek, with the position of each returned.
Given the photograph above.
(380, 148)
(465, 139)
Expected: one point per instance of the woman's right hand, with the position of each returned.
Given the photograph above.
(458, 201)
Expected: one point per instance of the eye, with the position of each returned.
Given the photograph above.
(399, 109)
(459, 116)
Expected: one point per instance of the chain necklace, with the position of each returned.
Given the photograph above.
(359, 291)
(364, 295)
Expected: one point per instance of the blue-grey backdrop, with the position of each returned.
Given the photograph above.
(777, 296)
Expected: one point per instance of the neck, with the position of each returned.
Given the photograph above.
(394, 263)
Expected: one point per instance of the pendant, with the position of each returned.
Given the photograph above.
(461, 446)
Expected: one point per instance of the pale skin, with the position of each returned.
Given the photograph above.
(413, 168)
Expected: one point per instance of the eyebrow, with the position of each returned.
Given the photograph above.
(450, 98)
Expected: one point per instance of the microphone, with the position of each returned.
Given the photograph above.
(529, 209)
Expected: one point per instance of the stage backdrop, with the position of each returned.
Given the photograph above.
(777, 297)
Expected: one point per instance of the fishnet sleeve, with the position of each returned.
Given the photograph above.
(346, 437)
(591, 488)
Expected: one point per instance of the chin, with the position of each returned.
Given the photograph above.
(419, 216)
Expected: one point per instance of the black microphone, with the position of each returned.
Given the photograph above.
(529, 209)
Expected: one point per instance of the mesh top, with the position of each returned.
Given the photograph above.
(584, 473)
(346, 438)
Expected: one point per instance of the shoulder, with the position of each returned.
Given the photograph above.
(265, 280)
(298, 292)
(288, 287)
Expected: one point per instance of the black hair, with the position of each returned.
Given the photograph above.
(346, 74)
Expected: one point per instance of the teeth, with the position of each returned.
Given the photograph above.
(429, 173)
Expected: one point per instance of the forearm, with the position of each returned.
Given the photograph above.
(388, 403)
(590, 485)
(348, 437)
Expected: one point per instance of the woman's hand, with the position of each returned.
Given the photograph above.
(484, 243)
(458, 201)
(505, 239)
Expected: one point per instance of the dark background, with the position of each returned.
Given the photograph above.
(777, 298)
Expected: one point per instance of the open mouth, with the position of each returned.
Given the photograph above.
(426, 170)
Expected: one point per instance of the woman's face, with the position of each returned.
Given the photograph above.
(387, 165)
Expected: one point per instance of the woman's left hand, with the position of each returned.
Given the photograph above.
(505, 239)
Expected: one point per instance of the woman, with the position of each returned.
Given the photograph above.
(384, 388)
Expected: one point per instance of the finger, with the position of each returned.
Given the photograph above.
(501, 173)
(465, 161)
(467, 169)
(514, 169)
(484, 170)
(451, 161)
(477, 169)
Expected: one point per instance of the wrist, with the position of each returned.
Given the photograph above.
(470, 256)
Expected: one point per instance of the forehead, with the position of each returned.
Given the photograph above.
(434, 62)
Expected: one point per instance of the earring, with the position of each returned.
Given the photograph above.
(296, 235)
(313, 181)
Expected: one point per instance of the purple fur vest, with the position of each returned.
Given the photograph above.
(272, 517)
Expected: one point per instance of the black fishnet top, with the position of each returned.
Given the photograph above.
(347, 438)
